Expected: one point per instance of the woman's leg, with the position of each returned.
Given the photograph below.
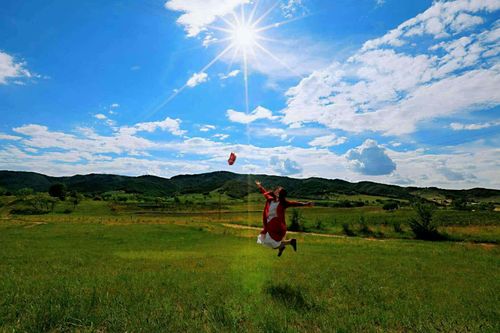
(284, 243)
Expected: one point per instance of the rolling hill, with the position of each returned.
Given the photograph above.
(237, 184)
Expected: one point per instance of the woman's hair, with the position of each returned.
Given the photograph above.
(282, 194)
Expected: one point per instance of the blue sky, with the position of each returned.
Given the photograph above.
(400, 92)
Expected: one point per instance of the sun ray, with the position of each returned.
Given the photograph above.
(233, 14)
(254, 9)
(263, 16)
(221, 29)
(178, 91)
(233, 56)
(245, 75)
(243, 35)
(219, 41)
(229, 23)
(281, 23)
(268, 39)
(278, 60)
(242, 14)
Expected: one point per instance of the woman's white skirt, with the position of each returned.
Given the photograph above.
(266, 240)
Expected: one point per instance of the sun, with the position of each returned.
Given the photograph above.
(244, 36)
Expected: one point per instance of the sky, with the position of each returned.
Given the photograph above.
(401, 92)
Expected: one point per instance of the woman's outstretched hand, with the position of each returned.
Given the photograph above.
(258, 183)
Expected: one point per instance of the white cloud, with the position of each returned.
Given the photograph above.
(370, 159)
(10, 69)
(168, 124)
(59, 153)
(390, 90)
(9, 137)
(293, 8)
(282, 61)
(285, 166)
(453, 175)
(103, 117)
(114, 105)
(232, 73)
(196, 79)
(258, 113)
(100, 116)
(442, 19)
(380, 2)
(209, 39)
(206, 128)
(469, 127)
(328, 141)
(198, 14)
(272, 131)
(221, 136)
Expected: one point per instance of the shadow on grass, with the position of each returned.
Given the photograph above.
(290, 296)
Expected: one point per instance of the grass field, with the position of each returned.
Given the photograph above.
(475, 226)
(106, 266)
(204, 277)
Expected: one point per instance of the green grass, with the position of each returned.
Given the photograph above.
(476, 226)
(203, 277)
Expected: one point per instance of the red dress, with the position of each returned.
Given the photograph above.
(273, 217)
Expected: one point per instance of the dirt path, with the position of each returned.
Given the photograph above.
(486, 246)
(239, 226)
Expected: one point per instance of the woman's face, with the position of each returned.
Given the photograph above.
(277, 191)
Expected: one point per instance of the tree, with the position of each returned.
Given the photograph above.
(460, 203)
(42, 202)
(24, 193)
(58, 190)
(76, 198)
(422, 225)
(390, 206)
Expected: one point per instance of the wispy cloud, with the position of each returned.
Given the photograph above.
(198, 14)
(392, 84)
(10, 69)
(232, 73)
(168, 124)
(206, 128)
(328, 141)
(196, 79)
(104, 118)
(243, 118)
(471, 127)
(9, 137)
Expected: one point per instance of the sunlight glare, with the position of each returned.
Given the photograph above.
(244, 36)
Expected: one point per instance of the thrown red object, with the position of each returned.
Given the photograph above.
(232, 159)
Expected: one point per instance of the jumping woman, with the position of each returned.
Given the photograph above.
(273, 219)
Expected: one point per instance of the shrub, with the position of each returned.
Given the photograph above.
(423, 226)
(24, 193)
(296, 221)
(390, 206)
(363, 226)
(346, 229)
(319, 225)
(397, 227)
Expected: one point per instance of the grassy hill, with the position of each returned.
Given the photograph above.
(237, 184)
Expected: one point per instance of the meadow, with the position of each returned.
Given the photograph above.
(106, 266)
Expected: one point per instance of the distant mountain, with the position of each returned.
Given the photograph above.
(236, 185)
